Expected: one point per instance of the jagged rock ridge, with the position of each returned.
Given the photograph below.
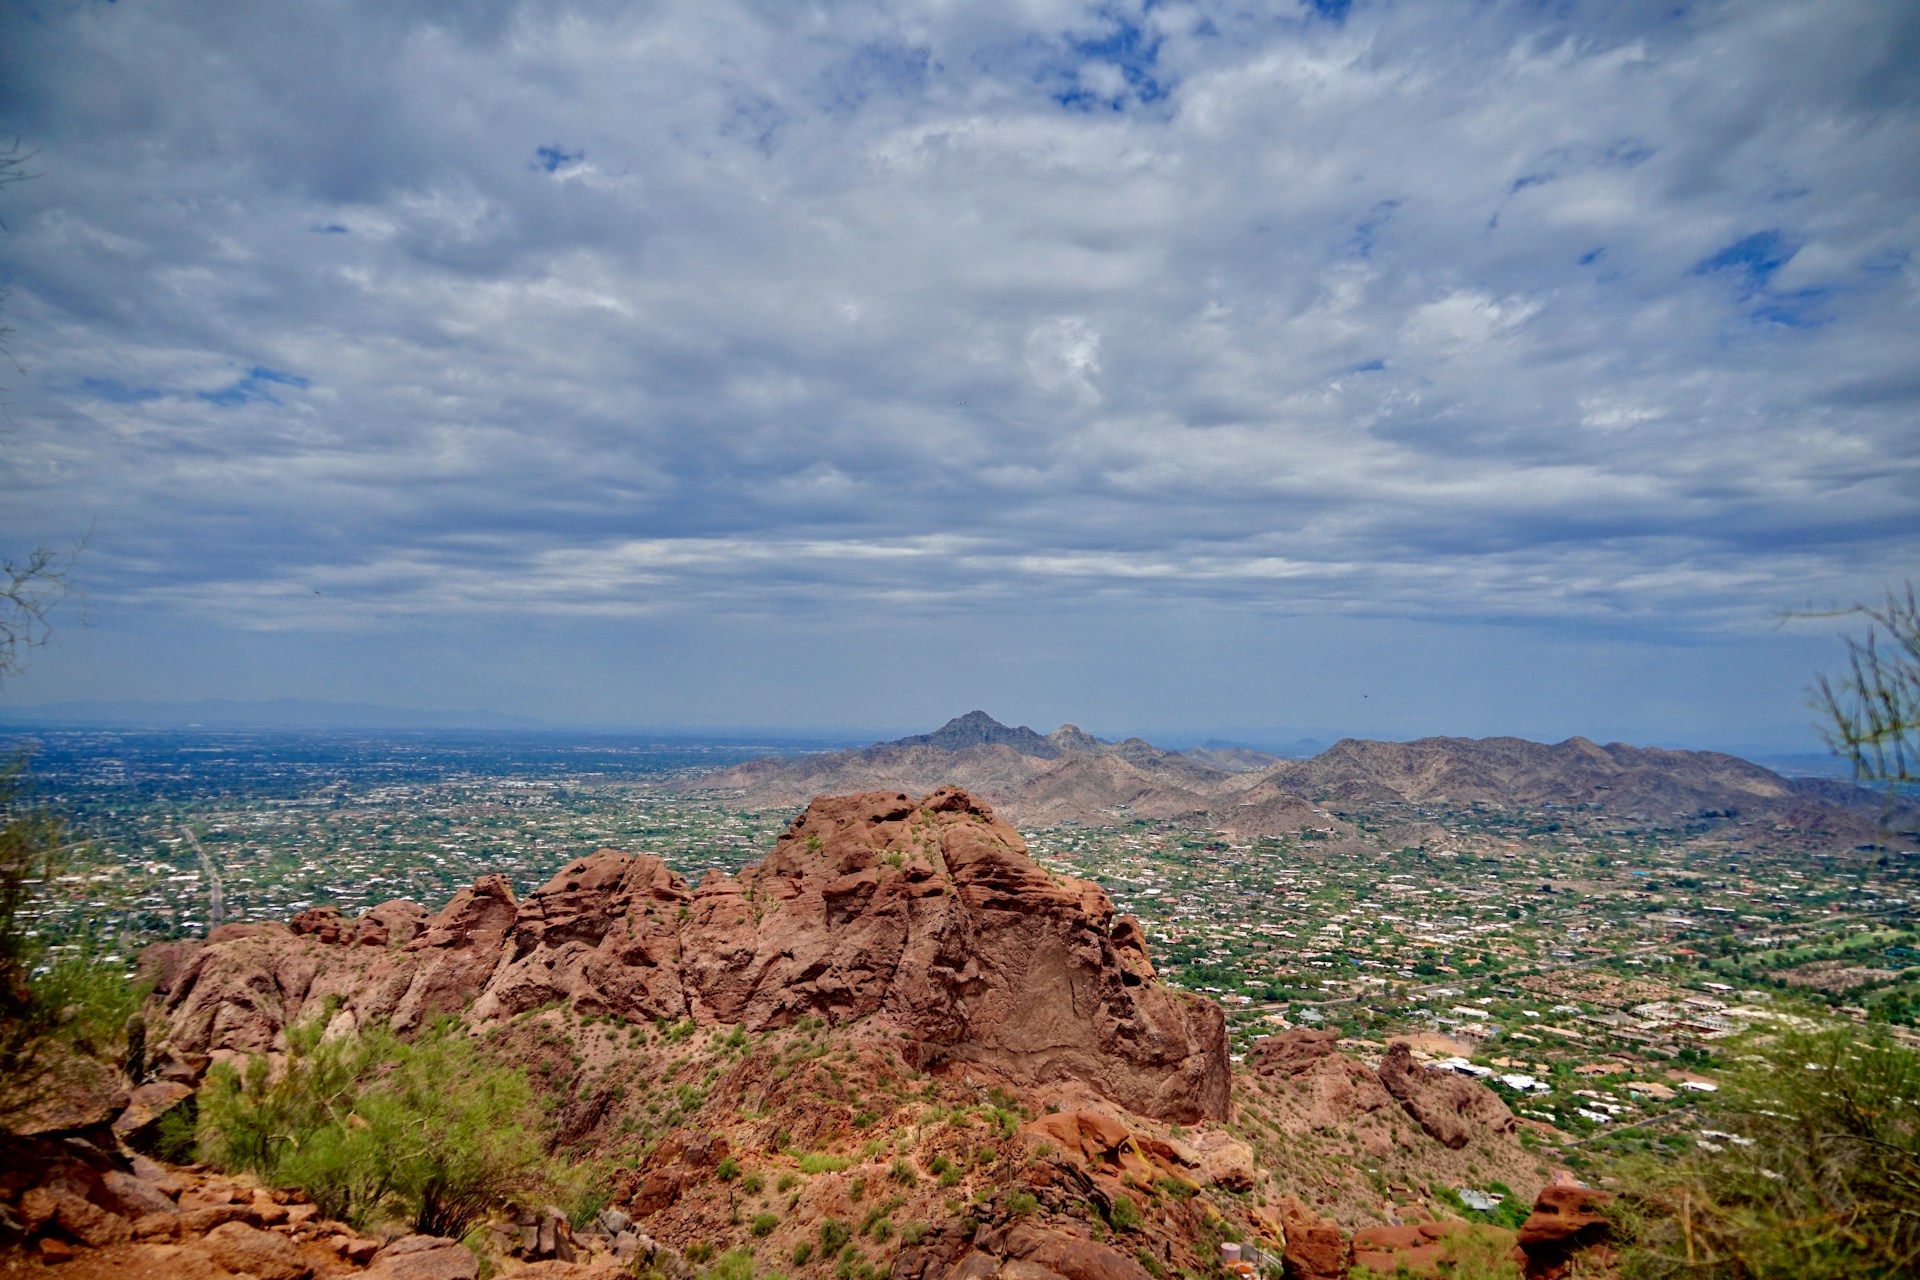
(925, 916)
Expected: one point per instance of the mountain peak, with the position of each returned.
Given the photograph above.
(978, 729)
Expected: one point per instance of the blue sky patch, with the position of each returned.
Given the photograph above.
(258, 384)
(115, 391)
(1753, 260)
(556, 157)
(330, 229)
(1131, 49)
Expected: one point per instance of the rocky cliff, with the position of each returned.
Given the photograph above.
(923, 918)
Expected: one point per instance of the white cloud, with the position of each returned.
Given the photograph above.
(1325, 313)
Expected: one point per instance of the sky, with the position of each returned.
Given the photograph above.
(1378, 368)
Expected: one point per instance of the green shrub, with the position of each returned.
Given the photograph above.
(734, 1264)
(369, 1124)
(1144, 1256)
(904, 1173)
(788, 1181)
(820, 1162)
(1824, 1187)
(833, 1235)
(1125, 1215)
(802, 1252)
(762, 1224)
(727, 1170)
(1022, 1203)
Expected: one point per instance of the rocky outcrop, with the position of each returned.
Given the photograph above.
(1565, 1221)
(1330, 1091)
(1314, 1247)
(1452, 1109)
(1021, 1252)
(924, 915)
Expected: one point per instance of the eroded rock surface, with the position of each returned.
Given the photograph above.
(1452, 1109)
(925, 915)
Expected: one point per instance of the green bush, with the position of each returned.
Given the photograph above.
(370, 1124)
(1125, 1215)
(734, 1264)
(763, 1224)
(1825, 1184)
(819, 1162)
(802, 1252)
(833, 1235)
(1022, 1203)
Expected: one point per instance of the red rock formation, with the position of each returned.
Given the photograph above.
(1314, 1249)
(1451, 1108)
(1331, 1091)
(1565, 1221)
(924, 915)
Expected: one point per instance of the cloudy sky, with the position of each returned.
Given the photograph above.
(1387, 368)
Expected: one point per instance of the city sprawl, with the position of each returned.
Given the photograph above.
(1591, 968)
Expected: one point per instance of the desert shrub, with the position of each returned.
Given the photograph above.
(820, 1162)
(1824, 1182)
(727, 1170)
(371, 1124)
(754, 1182)
(763, 1223)
(1022, 1203)
(802, 1253)
(1125, 1215)
(903, 1172)
(833, 1235)
(912, 1233)
(788, 1181)
(174, 1139)
(1144, 1256)
(734, 1264)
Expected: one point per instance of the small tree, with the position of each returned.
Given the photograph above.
(1871, 715)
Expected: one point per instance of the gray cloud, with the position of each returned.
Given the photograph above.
(1597, 316)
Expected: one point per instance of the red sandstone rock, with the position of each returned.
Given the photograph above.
(925, 914)
(246, 1250)
(1565, 1220)
(146, 1105)
(1314, 1249)
(1452, 1109)
(423, 1258)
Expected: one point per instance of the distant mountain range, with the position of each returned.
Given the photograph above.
(279, 713)
(1068, 775)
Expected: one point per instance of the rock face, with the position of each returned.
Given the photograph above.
(1565, 1221)
(1451, 1108)
(924, 915)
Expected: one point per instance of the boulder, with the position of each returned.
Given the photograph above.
(1452, 1109)
(1565, 1221)
(423, 1258)
(138, 1124)
(1314, 1248)
(246, 1250)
